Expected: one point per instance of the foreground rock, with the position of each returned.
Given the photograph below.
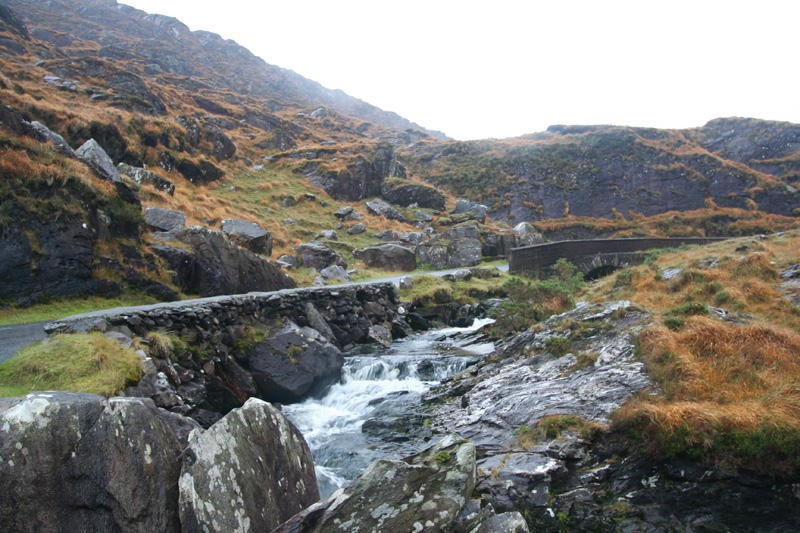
(457, 247)
(387, 256)
(426, 491)
(248, 472)
(79, 462)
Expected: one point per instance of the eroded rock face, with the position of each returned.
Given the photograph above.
(79, 462)
(217, 266)
(425, 491)
(293, 362)
(406, 193)
(250, 471)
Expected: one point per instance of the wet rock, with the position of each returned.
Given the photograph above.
(166, 220)
(97, 159)
(142, 176)
(388, 257)
(380, 334)
(317, 255)
(426, 491)
(293, 362)
(248, 235)
(79, 462)
(250, 471)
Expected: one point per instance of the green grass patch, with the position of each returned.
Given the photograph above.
(553, 427)
(79, 363)
(70, 306)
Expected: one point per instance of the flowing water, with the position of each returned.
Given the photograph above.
(378, 381)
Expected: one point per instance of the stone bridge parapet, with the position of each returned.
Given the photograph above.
(594, 256)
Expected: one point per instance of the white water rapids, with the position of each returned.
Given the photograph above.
(375, 382)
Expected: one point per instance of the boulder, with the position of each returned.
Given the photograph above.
(380, 334)
(464, 206)
(317, 255)
(79, 462)
(423, 216)
(222, 145)
(166, 220)
(93, 155)
(457, 247)
(388, 257)
(335, 272)
(217, 266)
(344, 212)
(380, 208)
(498, 244)
(425, 491)
(318, 322)
(250, 471)
(199, 173)
(292, 363)
(405, 193)
(248, 235)
(287, 261)
(358, 229)
(142, 176)
(328, 234)
(528, 235)
(58, 141)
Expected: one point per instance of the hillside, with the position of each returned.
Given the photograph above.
(623, 174)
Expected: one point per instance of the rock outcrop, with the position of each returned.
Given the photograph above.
(425, 491)
(217, 266)
(248, 472)
(166, 220)
(317, 255)
(405, 193)
(97, 159)
(142, 176)
(457, 247)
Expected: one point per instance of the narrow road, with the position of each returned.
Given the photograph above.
(14, 337)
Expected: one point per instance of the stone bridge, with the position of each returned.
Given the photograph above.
(594, 258)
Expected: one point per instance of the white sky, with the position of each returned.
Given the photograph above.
(505, 68)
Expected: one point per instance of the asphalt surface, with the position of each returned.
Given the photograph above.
(17, 336)
(14, 337)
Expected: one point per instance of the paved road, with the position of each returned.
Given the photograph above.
(17, 336)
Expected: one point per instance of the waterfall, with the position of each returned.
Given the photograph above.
(375, 375)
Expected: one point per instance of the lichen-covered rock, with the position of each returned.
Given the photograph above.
(142, 176)
(388, 257)
(425, 491)
(249, 235)
(98, 160)
(457, 247)
(464, 206)
(250, 471)
(293, 362)
(79, 462)
(528, 235)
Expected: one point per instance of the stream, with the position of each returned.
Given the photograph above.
(379, 383)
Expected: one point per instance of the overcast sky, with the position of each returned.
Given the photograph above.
(505, 68)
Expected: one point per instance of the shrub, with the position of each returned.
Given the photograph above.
(558, 346)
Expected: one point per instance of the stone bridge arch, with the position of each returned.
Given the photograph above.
(593, 257)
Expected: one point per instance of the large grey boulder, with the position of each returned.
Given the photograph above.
(160, 219)
(79, 462)
(387, 256)
(464, 206)
(248, 235)
(217, 266)
(380, 208)
(93, 155)
(425, 491)
(142, 176)
(292, 363)
(317, 255)
(405, 193)
(528, 235)
(222, 145)
(250, 471)
(457, 247)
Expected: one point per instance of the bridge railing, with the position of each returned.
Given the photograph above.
(539, 256)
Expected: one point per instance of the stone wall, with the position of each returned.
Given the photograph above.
(540, 256)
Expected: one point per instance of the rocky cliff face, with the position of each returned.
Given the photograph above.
(606, 171)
